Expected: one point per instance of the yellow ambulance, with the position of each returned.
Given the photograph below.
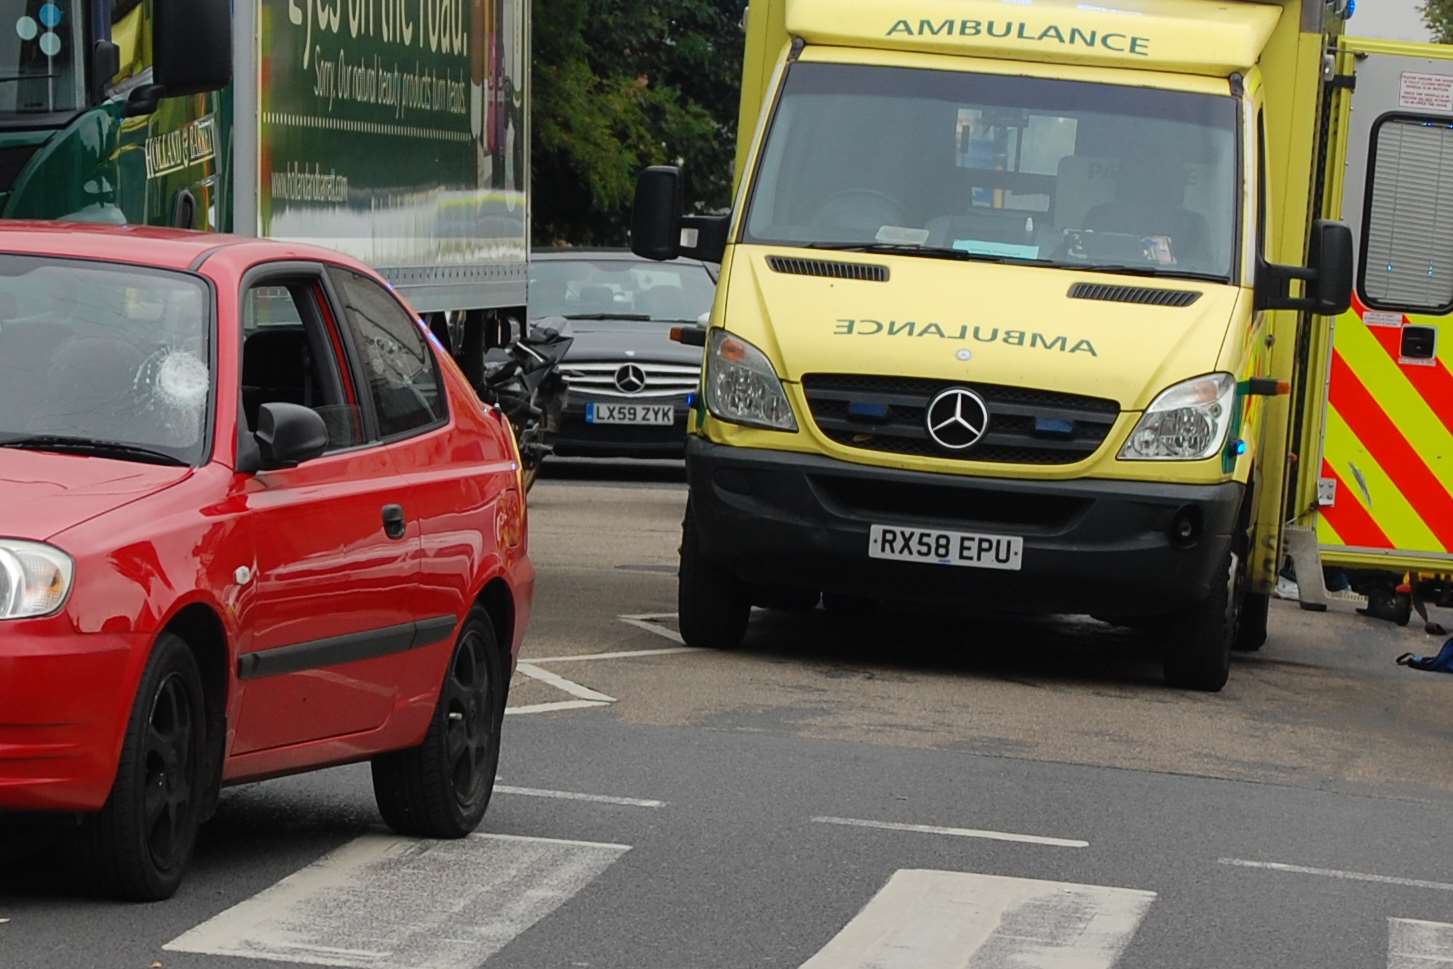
(1034, 307)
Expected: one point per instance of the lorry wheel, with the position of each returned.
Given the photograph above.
(442, 788)
(142, 839)
(713, 605)
(1198, 654)
(1251, 632)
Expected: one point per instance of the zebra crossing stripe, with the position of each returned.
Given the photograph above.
(392, 902)
(1412, 944)
(953, 920)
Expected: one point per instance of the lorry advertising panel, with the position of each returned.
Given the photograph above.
(394, 131)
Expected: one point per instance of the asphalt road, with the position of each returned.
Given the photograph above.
(901, 790)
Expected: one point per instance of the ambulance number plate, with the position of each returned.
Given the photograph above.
(933, 547)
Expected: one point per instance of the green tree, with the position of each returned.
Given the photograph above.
(1438, 15)
(622, 84)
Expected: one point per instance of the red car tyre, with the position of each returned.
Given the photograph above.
(442, 788)
(142, 840)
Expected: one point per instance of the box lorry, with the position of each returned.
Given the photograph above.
(1033, 307)
(395, 131)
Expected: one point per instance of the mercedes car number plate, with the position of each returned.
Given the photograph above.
(655, 415)
(933, 547)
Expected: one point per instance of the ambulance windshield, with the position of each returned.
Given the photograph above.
(997, 167)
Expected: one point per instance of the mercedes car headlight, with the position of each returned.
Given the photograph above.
(34, 579)
(742, 387)
(1189, 422)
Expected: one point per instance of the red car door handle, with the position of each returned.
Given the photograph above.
(394, 524)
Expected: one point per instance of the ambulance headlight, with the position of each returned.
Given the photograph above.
(1189, 422)
(742, 387)
(34, 579)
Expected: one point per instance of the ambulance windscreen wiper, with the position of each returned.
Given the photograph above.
(1154, 272)
(927, 252)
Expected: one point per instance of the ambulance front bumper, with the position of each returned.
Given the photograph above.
(1131, 549)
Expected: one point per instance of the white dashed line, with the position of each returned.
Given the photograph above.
(1029, 839)
(651, 625)
(626, 654)
(1415, 944)
(562, 684)
(939, 919)
(557, 707)
(382, 902)
(573, 796)
(1351, 876)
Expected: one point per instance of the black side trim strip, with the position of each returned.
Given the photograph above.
(431, 631)
(352, 648)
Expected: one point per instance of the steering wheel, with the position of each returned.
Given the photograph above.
(848, 208)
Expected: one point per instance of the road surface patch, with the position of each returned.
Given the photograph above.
(952, 920)
(383, 901)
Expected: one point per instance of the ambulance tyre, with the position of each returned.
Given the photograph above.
(713, 606)
(1251, 634)
(1198, 647)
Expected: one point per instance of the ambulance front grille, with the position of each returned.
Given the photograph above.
(1026, 426)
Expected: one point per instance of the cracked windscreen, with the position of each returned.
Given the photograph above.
(104, 359)
(1012, 169)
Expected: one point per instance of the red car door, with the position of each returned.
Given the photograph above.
(331, 617)
(440, 456)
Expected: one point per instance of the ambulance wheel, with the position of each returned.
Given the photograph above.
(713, 606)
(1198, 651)
(845, 605)
(1251, 634)
(786, 600)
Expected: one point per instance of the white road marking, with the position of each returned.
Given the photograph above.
(388, 902)
(1414, 944)
(561, 683)
(1030, 839)
(651, 625)
(1352, 876)
(573, 796)
(555, 707)
(626, 654)
(954, 920)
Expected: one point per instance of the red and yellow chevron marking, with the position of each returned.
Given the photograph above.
(1389, 441)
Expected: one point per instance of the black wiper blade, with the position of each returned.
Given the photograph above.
(1153, 272)
(927, 252)
(100, 449)
(623, 317)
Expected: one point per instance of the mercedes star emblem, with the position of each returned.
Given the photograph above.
(957, 419)
(630, 379)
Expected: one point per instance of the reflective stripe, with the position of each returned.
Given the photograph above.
(1388, 445)
(1354, 526)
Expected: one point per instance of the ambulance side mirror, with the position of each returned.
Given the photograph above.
(660, 229)
(1327, 289)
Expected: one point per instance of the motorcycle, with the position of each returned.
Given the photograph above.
(524, 381)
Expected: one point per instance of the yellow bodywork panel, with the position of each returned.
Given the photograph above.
(1005, 325)
(1189, 36)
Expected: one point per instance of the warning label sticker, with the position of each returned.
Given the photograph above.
(1426, 92)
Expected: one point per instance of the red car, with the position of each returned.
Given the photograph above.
(253, 521)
